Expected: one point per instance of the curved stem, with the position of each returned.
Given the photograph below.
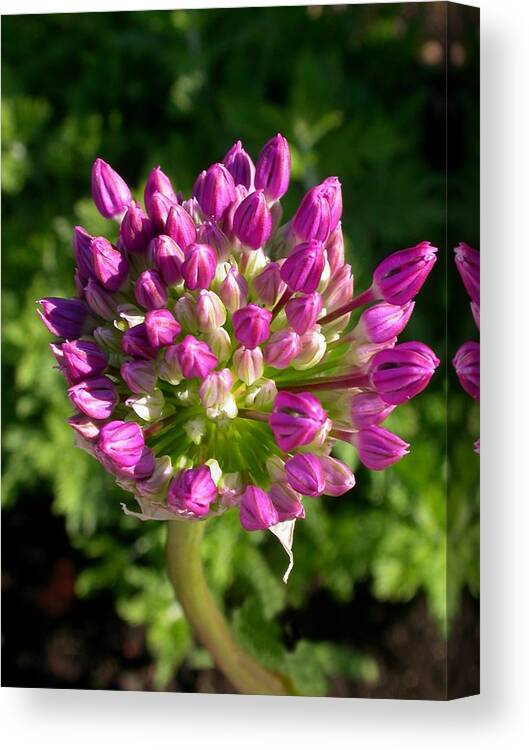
(184, 566)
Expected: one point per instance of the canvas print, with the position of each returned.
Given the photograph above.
(240, 350)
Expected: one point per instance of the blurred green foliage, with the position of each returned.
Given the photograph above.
(349, 89)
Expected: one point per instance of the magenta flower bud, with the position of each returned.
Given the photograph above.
(150, 291)
(95, 397)
(192, 490)
(161, 327)
(110, 192)
(239, 165)
(336, 249)
(209, 311)
(82, 253)
(282, 347)
(303, 311)
(215, 388)
(248, 364)
(180, 227)
(168, 257)
(305, 474)
(198, 269)
(209, 233)
(257, 512)
(103, 303)
(378, 448)
(139, 375)
(83, 359)
(368, 408)
(195, 358)
(141, 471)
(110, 265)
(136, 230)
(338, 477)
(158, 182)
(272, 171)
(467, 365)
(84, 427)
(234, 290)
(339, 290)
(122, 442)
(402, 372)
(286, 501)
(160, 208)
(296, 419)
(252, 221)
(227, 220)
(216, 191)
(467, 262)
(400, 276)
(198, 185)
(383, 322)
(303, 268)
(251, 325)
(268, 284)
(66, 318)
(331, 189)
(135, 343)
(312, 220)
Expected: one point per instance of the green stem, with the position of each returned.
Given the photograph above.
(184, 566)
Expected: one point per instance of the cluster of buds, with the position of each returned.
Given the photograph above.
(467, 361)
(214, 355)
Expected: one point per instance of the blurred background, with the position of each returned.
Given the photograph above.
(359, 91)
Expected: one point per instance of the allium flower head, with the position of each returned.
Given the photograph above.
(214, 356)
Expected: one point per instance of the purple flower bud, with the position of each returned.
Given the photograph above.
(135, 343)
(84, 427)
(240, 165)
(82, 253)
(136, 230)
(251, 325)
(209, 233)
(378, 448)
(367, 408)
(268, 284)
(400, 276)
(215, 388)
(158, 182)
(161, 328)
(402, 372)
(103, 303)
(467, 365)
(160, 208)
(139, 375)
(296, 419)
(210, 311)
(192, 490)
(150, 291)
(332, 191)
(122, 442)
(227, 220)
(234, 290)
(467, 262)
(168, 257)
(110, 192)
(252, 221)
(286, 501)
(335, 249)
(180, 227)
(142, 470)
(195, 358)
(338, 477)
(198, 269)
(216, 191)
(248, 364)
(303, 311)
(198, 186)
(282, 347)
(66, 318)
(83, 359)
(312, 220)
(257, 511)
(339, 290)
(110, 265)
(95, 397)
(272, 171)
(383, 322)
(303, 268)
(305, 474)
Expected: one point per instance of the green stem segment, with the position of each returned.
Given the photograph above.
(184, 566)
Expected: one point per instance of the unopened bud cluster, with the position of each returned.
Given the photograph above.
(214, 355)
